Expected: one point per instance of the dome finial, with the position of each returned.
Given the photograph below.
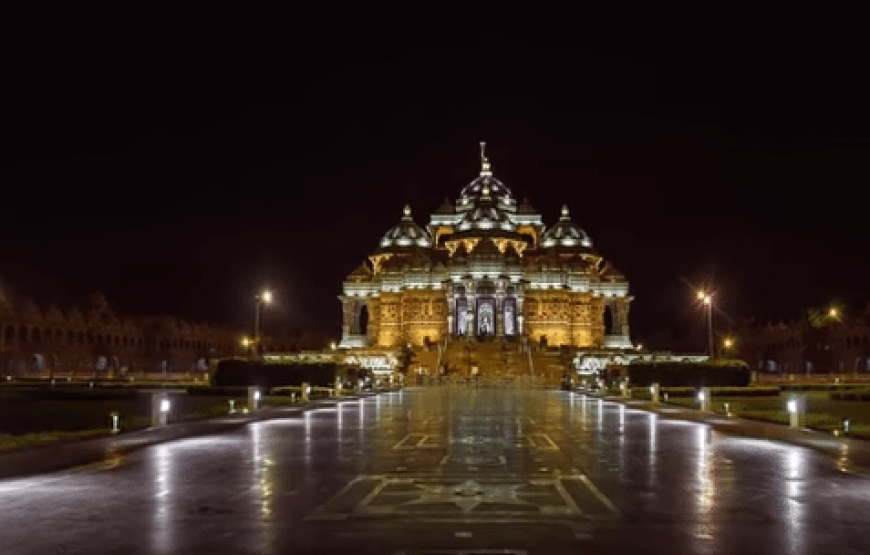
(406, 211)
(565, 215)
(485, 167)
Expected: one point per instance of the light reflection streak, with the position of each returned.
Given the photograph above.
(705, 497)
(653, 439)
(794, 477)
(263, 482)
(163, 487)
(600, 423)
(307, 418)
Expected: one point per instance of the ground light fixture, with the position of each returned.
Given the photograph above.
(165, 405)
(792, 406)
(701, 397)
(847, 425)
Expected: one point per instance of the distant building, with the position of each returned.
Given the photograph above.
(36, 340)
(838, 345)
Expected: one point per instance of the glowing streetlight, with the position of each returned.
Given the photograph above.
(833, 312)
(265, 297)
(706, 298)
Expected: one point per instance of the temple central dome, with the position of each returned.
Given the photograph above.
(486, 267)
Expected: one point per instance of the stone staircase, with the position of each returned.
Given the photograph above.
(548, 365)
(494, 360)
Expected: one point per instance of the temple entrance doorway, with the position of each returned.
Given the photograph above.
(485, 317)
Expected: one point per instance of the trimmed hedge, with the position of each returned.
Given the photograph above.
(265, 375)
(822, 387)
(688, 374)
(859, 395)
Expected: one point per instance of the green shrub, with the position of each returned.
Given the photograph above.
(855, 395)
(234, 372)
(822, 387)
(675, 374)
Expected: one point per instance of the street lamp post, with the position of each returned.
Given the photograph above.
(264, 297)
(707, 300)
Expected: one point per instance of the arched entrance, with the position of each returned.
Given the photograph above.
(608, 320)
(363, 321)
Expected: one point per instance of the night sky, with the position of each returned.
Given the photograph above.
(177, 172)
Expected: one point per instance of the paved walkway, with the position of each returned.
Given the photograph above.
(106, 449)
(850, 454)
(449, 470)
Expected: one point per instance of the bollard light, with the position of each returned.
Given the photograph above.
(91, 385)
(792, 406)
(232, 406)
(701, 397)
(847, 424)
(666, 396)
(652, 390)
(164, 406)
(256, 395)
(292, 397)
(728, 409)
(115, 423)
(52, 382)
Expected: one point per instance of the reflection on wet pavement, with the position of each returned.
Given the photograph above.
(444, 469)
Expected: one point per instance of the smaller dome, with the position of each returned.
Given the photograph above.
(526, 208)
(610, 273)
(445, 208)
(406, 234)
(565, 234)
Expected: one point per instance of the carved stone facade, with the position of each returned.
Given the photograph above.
(485, 267)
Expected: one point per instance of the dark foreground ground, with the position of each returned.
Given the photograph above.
(449, 470)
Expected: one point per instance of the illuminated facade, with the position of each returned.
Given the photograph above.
(485, 267)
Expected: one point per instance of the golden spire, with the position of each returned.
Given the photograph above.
(485, 168)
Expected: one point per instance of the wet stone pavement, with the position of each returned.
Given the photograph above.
(449, 470)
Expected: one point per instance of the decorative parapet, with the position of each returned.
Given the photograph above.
(617, 342)
(352, 341)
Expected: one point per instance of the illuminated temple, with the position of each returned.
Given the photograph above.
(485, 268)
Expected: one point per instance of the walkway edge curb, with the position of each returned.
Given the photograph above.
(66, 455)
(821, 442)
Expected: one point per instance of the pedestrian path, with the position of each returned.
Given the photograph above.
(850, 455)
(105, 449)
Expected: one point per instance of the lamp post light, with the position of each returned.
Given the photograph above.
(263, 298)
(727, 344)
(706, 298)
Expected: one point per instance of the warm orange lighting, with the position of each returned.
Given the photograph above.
(246, 342)
(833, 313)
(266, 297)
(728, 343)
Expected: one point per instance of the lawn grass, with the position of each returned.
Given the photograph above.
(41, 438)
(821, 414)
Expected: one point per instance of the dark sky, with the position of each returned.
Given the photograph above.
(177, 172)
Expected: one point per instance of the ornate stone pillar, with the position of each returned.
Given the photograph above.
(347, 313)
(471, 303)
(621, 314)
